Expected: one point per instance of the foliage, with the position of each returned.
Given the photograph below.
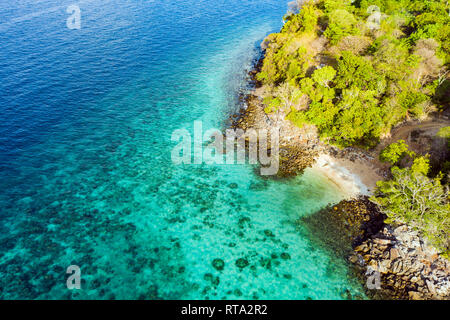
(323, 76)
(391, 58)
(357, 71)
(354, 81)
(410, 102)
(444, 133)
(288, 96)
(359, 81)
(359, 119)
(280, 65)
(309, 16)
(421, 165)
(414, 199)
(395, 152)
(297, 118)
(333, 5)
(341, 23)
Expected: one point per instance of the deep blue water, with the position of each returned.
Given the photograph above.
(85, 170)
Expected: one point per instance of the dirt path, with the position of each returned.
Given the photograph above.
(403, 132)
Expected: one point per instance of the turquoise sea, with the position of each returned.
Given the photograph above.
(85, 171)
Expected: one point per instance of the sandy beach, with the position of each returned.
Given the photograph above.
(352, 177)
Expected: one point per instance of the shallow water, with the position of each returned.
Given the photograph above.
(86, 176)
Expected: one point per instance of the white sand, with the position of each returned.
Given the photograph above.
(353, 178)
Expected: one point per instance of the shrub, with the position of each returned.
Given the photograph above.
(395, 152)
(422, 203)
(324, 75)
(341, 23)
(444, 133)
(298, 118)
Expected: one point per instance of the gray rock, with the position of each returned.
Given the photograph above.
(431, 287)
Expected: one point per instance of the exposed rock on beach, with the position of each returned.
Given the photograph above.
(409, 269)
(298, 147)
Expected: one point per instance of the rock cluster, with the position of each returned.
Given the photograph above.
(298, 147)
(344, 226)
(408, 267)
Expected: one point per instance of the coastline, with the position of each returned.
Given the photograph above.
(408, 268)
(353, 178)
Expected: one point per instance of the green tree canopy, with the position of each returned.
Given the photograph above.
(395, 152)
(414, 199)
(341, 23)
(324, 75)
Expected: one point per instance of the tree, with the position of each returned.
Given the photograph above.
(322, 115)
(395, 152)
(372, 80)
(390, 58)
(324, 75)
(309, 16)
(298, 65)
(288, 95)
(422, 203)
(421, 165)
(359, 119)
(357, 71)
(333, 5)
(341, 23)
(412, 103)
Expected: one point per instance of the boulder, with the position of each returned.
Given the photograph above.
(413, 295)
(383, 242)
(385, 266)
(394, 254)
(431, 287)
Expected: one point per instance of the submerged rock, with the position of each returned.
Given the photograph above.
(241, 263)
(344, 226)
(218, 264)
(285, 256)
(268, 233)
(233, 185)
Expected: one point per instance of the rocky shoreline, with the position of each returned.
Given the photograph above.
(409, 269)
(395, 256)
(297, 152)
(405, 267)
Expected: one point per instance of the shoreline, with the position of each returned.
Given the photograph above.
(355, 172)
(407, 266)
(342, 173)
